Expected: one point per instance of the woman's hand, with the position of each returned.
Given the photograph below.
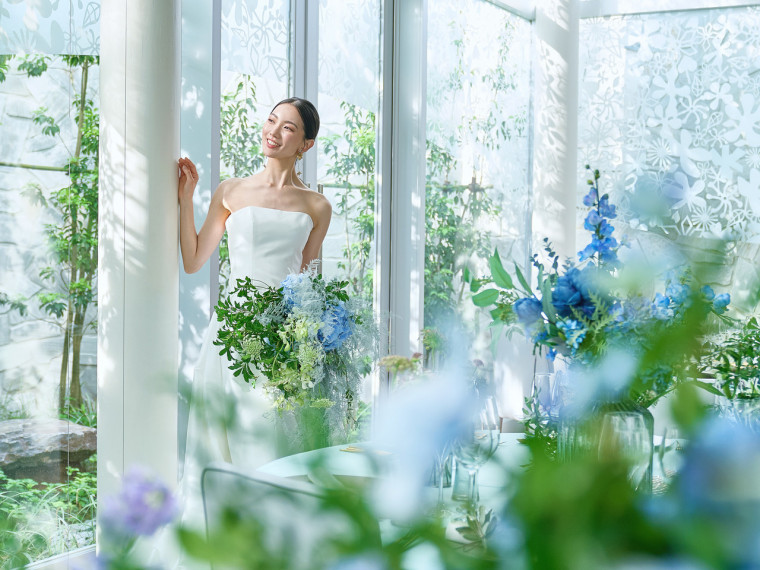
(188, 179)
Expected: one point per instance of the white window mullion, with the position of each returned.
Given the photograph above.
(400, 209)
(304, 70)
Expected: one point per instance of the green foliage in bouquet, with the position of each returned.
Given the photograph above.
(307, 342)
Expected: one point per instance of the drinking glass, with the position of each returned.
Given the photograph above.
(442, 463)
(544, 394)
(625, 434)
(471, 451)
(489, 415)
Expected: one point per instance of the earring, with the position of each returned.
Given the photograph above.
(299, 156)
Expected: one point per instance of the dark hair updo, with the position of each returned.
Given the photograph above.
(308, 113)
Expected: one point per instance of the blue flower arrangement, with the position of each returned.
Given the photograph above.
(305, 341)
(580, 309)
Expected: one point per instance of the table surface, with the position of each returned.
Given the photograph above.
(509, 456)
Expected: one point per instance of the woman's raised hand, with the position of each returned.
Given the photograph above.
(188, 178)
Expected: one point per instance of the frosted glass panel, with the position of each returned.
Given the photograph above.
(670, 112)
(50, 26)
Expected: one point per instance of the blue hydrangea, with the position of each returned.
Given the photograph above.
(290, 286)
(679, 293)
(336, 327)
(540, 337)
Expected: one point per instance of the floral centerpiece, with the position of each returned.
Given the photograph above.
(583, 309)
(305, 342)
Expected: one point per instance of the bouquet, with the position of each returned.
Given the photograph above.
(305, 341)
(581, 310)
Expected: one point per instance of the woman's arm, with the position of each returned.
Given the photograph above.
(321, 212)
(198, 247)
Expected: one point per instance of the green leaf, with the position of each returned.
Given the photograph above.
(500, 276)
(521, 279)
(485, 298)
(546, 300)
(707, 387)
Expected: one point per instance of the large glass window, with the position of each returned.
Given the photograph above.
(349, 97)
(348, 100)
(670, 114)
(48, 290)
(255, 68)
(478, 187)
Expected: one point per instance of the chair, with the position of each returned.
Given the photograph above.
(284, 523)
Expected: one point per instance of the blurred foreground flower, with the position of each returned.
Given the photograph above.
(415, 423)
(719, 486)
(144, 505)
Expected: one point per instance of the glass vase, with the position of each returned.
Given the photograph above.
(581, 438)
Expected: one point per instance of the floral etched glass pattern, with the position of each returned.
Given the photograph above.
(50, 26)
(670, 113)
(478, 149)
(255, 75)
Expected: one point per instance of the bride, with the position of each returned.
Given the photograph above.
(275, 226)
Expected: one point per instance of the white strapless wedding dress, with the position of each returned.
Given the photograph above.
(228, 420)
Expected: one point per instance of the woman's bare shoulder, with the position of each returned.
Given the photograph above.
(313, 200)
(237, 192)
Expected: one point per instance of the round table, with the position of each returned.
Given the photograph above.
(361, 460)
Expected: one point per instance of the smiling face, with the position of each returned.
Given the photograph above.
(283, 133)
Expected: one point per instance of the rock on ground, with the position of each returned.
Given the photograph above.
(41, 449)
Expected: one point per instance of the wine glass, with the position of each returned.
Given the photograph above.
(625, 435)
(669, 454)
(471, 451)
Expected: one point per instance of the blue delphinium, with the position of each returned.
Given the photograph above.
(574, 333)
(603, 247)
(720, 303)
